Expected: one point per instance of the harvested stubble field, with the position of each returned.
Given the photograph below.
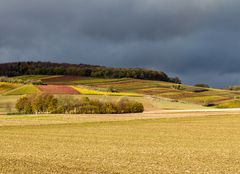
(138, 143)
(7, 103)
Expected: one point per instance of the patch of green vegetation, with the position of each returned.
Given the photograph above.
(32, 77)
(202, 99)
(229, 104)
(196, 89)
(178, 94)
(26, 89)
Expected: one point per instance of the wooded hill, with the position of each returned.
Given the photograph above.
(48, 68)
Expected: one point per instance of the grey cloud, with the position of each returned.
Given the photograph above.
(197, 40)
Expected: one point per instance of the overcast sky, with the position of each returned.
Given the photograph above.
(197, 40)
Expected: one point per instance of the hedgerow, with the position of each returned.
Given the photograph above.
(46, 103)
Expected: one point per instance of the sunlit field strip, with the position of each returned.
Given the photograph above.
(87, 91)
(25, 89)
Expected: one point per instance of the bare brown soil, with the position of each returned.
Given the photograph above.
(57, 89)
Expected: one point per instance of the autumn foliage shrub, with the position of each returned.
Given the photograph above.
(87, 106)
(46, 103)
(37, 103)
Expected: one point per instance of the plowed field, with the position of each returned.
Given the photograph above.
(57, 89)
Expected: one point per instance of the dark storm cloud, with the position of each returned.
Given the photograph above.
(197, 40)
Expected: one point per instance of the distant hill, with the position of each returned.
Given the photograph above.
(49, 68)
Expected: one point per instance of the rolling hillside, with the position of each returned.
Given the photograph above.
(77, 85)
(168, 90)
